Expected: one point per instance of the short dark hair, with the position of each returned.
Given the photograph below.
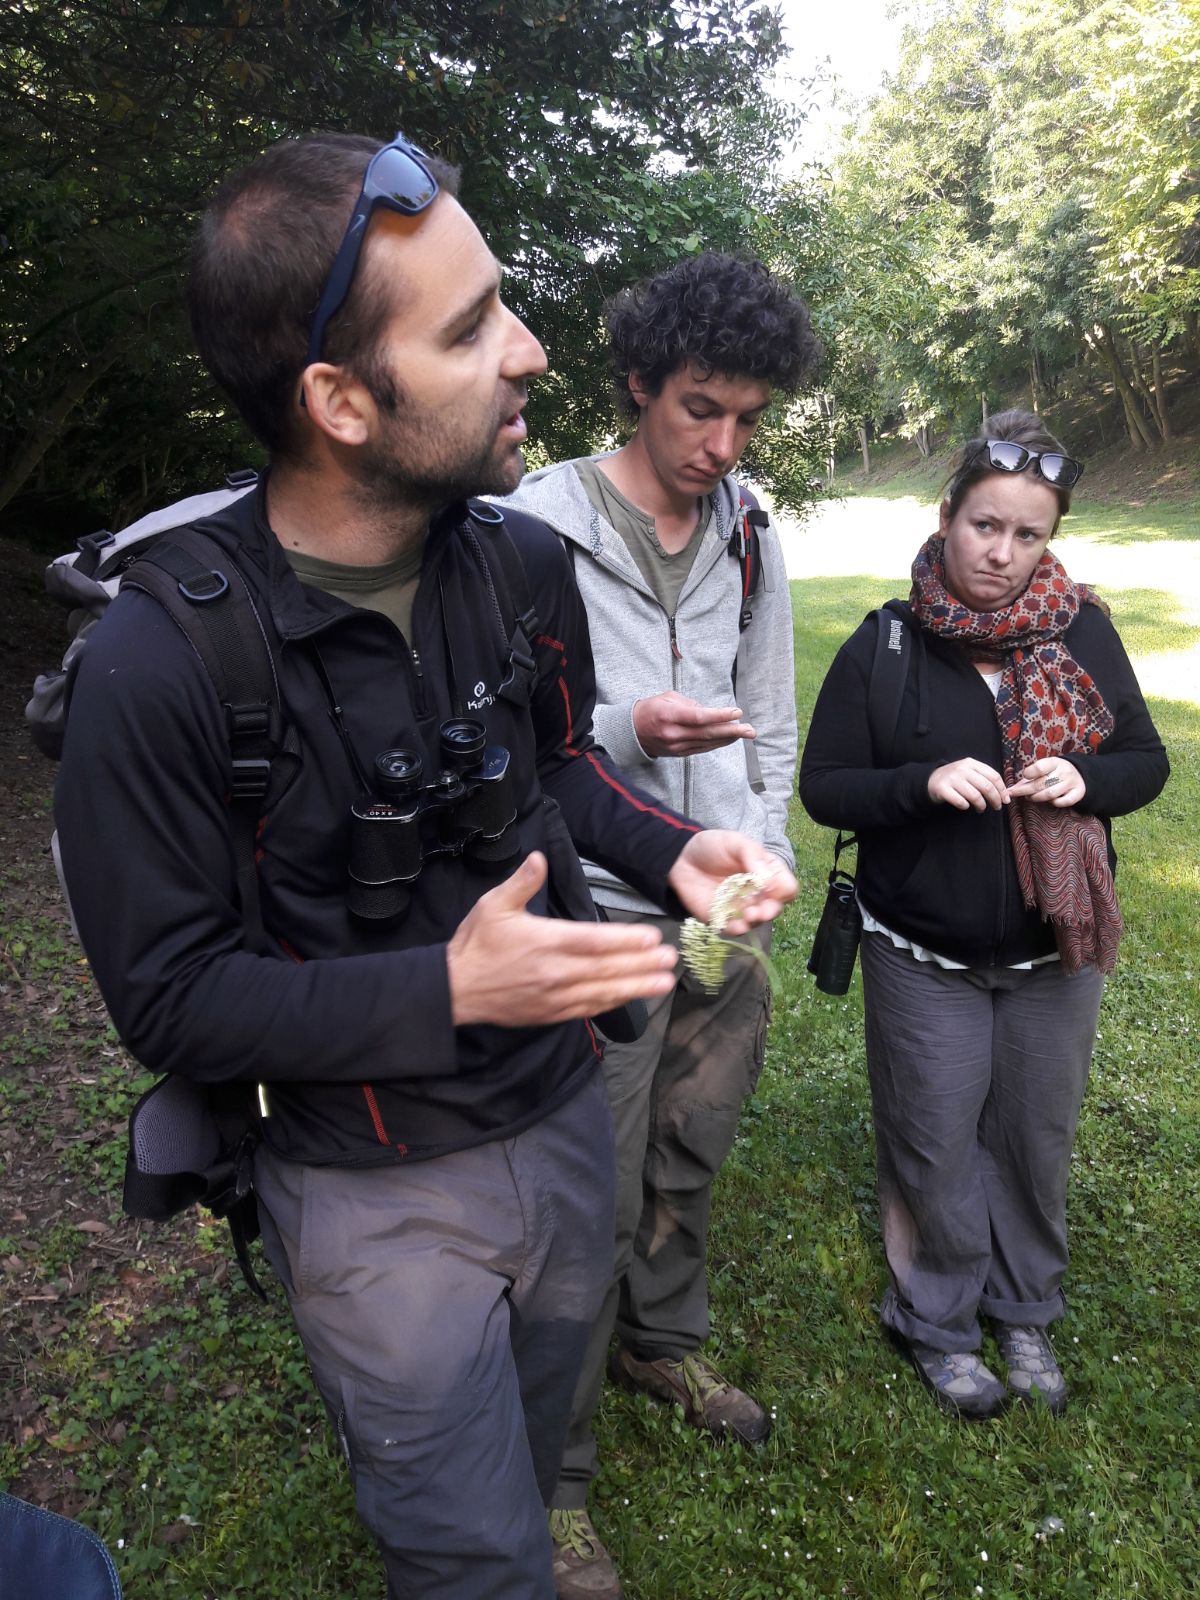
(266, 243)
(716, 313)
(971, 463)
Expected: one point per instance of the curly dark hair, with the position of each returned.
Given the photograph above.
(715, 313)
(971, 464)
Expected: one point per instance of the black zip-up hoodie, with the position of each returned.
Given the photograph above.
(943, 878)
(349, 1027)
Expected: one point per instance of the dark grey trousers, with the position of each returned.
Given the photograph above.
(977, 1078)
(675, 1094)
(444, 1307)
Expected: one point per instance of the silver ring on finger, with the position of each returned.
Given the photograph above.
(1051, 780)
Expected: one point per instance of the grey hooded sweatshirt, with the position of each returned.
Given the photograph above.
(745, 785)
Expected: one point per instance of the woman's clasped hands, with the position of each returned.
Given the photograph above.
(968, 783)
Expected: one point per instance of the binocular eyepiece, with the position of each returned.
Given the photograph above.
(467, 810)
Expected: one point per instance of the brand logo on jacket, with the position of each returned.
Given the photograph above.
(481, 697)
(895, 635)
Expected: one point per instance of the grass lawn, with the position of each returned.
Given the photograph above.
(199, 1452)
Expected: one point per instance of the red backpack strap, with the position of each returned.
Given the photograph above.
(745, 543)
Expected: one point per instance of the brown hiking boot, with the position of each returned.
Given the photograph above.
(583, 1569)
(706, 1399)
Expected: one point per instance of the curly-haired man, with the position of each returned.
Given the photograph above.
(657, 532)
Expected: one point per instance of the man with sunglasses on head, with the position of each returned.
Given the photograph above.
(434, 1166)
(691, 621)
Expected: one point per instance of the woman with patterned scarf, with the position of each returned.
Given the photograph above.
(985, 879)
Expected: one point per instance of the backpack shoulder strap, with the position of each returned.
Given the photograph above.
(894, 646)
(199, 586)
(751, 518)
(510, 587)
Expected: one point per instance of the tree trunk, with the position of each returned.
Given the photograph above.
(1160, 393)
(830, 458)
(864, 445)
(983, 412)
(922, 438)
(1100, 340)
(1192, 323)
(1033, 387)
(1142, 388)
(48, 427)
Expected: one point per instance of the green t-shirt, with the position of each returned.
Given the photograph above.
(664, 572)
(390, 588)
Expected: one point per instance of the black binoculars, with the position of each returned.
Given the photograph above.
(468, 810)
(838, 935)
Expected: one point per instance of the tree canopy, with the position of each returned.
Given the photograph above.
(1020, 202)
(1022, 196)
(585, 130)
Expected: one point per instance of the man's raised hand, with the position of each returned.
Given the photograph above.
(517, 970)
(711, 856)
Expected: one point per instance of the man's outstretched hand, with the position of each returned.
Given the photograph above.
(516, 970)
(710, 857)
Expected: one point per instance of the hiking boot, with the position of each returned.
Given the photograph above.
(582, 1568)
(1033, 1372)
(706, 1399)
(958, 1380)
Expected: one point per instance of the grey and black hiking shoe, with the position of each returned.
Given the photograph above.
(1033, 1372)
(958, 1380)
(583, 1569)
(706, 1399)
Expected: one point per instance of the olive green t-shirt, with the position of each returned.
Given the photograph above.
(390, 588)
(664, 572)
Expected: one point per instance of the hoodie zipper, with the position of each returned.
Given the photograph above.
(676, 678)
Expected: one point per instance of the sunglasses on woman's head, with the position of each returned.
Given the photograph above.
(1051, 465)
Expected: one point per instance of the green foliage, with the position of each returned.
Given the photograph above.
(585, 131)
(1022, 195)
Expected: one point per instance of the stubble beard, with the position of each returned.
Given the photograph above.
(414, 468)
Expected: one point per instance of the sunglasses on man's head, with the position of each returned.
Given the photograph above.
(397, 179)
(1051, 465)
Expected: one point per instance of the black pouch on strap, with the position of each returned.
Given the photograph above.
(193, 1144)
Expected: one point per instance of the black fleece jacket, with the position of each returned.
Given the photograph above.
(349, 1025)
(945, 878)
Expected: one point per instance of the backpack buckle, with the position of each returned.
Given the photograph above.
(92, 542)
(250, 779)
(248, 722)
(256, 725)
(522, 670)
(208, 586)
(487, 515)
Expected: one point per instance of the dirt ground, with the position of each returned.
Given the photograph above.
(63, 1250)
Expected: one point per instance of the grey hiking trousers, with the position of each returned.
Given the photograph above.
(444, 1307)
(676, 1094)
(977, 1078)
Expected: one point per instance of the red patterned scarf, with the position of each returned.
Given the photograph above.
(1048, 705)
